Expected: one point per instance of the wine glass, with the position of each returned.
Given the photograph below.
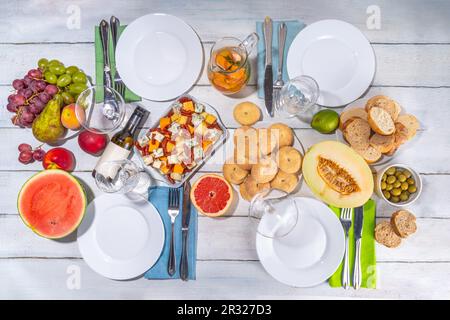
(298, 97)
(122, 176)
(274, 214)
(100, 109)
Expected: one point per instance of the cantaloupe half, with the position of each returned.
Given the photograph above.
(52, 203)
(337, 175)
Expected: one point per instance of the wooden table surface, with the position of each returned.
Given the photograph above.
(412, 48)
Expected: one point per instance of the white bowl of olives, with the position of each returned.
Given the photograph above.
(398, 184)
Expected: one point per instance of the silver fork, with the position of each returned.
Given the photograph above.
(279, 83)
(174, 209)
(346, 221)
(118, 83)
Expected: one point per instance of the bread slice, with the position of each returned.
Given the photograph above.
(404, 223)
(357, 133)
(410, 122)
(391, 152)
(383, 144)
(401, 134)
(386, 103)
(385, 235)
(352, 113)
(370, 154)
(380, 121)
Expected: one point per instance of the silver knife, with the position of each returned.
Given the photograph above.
(184, 268)
(268, 73)
(358, 228)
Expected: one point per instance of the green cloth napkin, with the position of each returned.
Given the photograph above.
(368, 257)
(129, 95)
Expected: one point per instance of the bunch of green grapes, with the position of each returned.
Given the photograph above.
(71, 81)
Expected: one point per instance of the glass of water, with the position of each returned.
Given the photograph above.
(273, 217)
(122, 176)
(298, 97)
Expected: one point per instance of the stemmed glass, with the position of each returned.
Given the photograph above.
(100, 109)
(298, 97)
(122, 176)
(273, 214)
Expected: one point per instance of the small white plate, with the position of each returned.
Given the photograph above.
(120, 238)
(310, 253)
(338, 56)
(159, 57)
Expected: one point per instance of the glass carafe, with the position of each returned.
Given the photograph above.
(229, 66)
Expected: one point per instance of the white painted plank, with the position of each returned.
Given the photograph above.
(31, 21)
(397, 65)
(48, 279)
(432, 203)
(430, 105)
(421, 153)
(217, 236)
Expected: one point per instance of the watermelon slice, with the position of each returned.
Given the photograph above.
(52, 203)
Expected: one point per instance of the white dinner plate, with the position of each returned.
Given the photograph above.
(310, 253)
(120, 238)
(338, 56)
(159, 57)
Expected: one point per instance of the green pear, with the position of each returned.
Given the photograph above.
(47, 127)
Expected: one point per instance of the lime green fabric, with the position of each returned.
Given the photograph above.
(129, 96)
(368, 256)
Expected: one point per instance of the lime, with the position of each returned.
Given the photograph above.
(325, 121)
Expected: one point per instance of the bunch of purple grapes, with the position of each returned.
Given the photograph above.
(28, 155)
(31, 96)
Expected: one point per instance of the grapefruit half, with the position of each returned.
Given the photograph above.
(212, 195)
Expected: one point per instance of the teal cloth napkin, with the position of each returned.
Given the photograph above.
(129, 95)
(159, 197)
(293, 28)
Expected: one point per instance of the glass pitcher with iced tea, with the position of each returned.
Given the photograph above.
(229, 66)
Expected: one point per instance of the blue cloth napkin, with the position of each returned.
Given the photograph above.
(159, 197)
(293, 28)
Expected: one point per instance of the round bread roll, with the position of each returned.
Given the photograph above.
(267, 141)
(243, 191)
(246, 113)
(249, 188)
(283, 181)
(234, 173)
(285, 134)
(265, 170)
(241, 158)
(246, 144)
(289, 159)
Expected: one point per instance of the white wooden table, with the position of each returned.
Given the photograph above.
(413, 62)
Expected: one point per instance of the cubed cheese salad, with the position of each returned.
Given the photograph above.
(181, 140)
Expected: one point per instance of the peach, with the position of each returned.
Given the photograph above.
(69, 119)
